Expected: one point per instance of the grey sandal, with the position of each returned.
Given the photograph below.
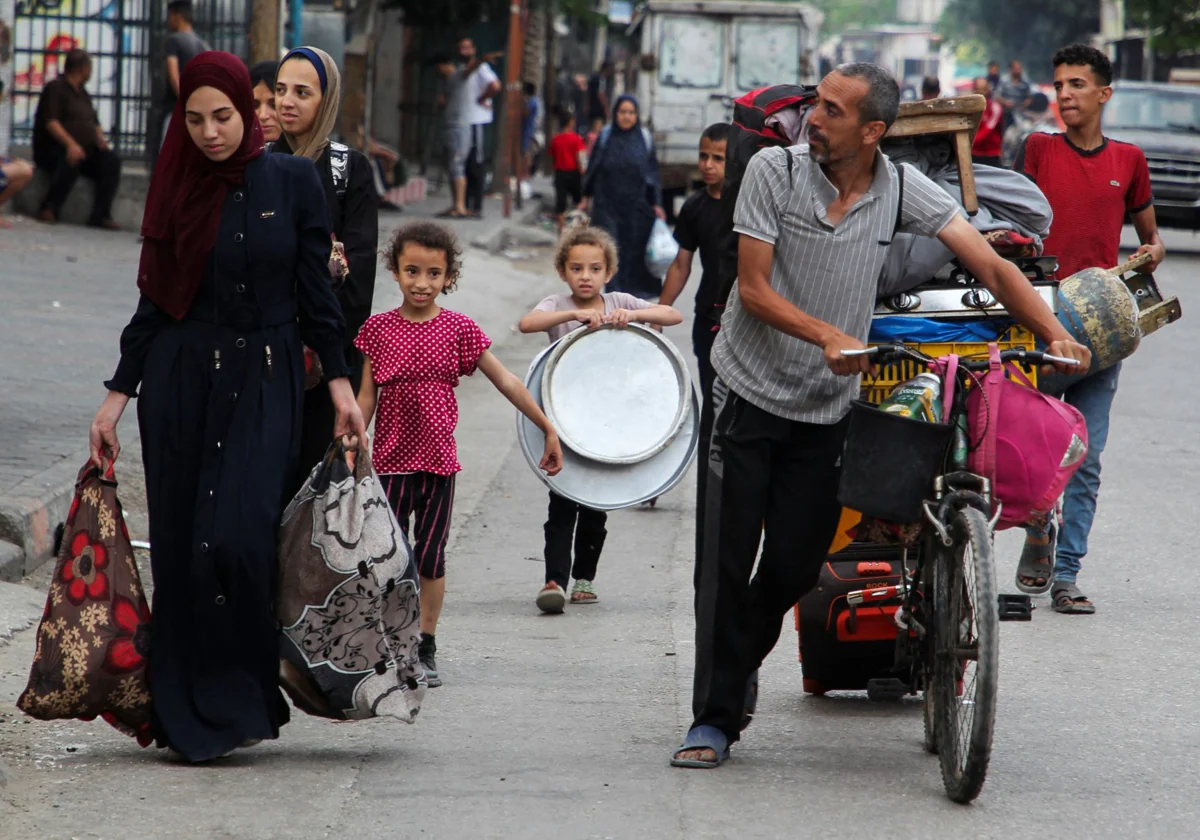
(1069, 600)
(1037, 563)
(584, 587)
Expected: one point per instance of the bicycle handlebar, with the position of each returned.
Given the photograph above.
(885, 353)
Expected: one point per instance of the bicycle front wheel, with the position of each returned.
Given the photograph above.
(966, 655)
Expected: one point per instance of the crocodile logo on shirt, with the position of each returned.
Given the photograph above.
(1115, 183)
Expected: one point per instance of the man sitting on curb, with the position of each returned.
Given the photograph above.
(68, 142)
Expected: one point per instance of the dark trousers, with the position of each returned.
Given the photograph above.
(317, 419)
(103, 167)
(477, 169)
(704, 333)
(765, 473)
(569, 522)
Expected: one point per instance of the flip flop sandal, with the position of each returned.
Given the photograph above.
(1070, 601)
(702, 738)
(1037, 561)
(552, 600)
(750, 702)
(449, 214)
(584, 587)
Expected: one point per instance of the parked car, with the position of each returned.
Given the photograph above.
(1164, 121)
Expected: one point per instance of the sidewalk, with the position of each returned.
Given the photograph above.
(66, 295)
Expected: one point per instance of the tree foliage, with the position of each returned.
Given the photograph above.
(844, 14)
(1175, 25)
(466, 13)
(1027, 30)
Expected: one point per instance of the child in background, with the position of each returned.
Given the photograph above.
(594, 134)
(699, 228)
(566, 152)
(586, 260)
(415, 356)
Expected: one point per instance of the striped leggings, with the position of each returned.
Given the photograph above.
(428, 498)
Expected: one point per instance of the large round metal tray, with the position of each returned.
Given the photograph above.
(616, 396)
(602, 486)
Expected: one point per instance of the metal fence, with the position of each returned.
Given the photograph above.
(126, 41)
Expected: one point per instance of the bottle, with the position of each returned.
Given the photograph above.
(919, 398)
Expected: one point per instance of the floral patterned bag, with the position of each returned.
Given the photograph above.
(348, 597)
(93, 642)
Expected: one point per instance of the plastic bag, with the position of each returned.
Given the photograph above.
(661, 249)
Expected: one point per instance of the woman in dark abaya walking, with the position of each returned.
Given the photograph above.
(625, 195)
(308, 95)
(233, 277)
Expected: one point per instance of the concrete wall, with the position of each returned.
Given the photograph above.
(388, 88)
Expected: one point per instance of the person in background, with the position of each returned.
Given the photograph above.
(586, 259)
(698, 228)
(1092, 182)
(262, 77)
(566, 153)
(458, 131)
(593, 134)
(68, 142)
(181, 46)
(383, 160)
(579, 103)
(1037, 117)
(1013, 93)
(993, 74)
(623, 190)
(483, 85)
(529, 124)
(599, 93)
(931, 88)
(308, 94)
(989, 139)
(15, 175)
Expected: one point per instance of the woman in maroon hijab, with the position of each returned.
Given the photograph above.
(234, 278)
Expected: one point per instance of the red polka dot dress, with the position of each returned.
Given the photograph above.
(416, 366)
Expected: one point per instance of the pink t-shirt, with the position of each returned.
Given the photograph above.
(563, 303)
(416, 366)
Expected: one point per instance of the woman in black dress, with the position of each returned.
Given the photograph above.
(233, 277)
(623, 189)
(308, 94)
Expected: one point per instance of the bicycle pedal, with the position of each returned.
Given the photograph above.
(1015, 607)
(886, 688)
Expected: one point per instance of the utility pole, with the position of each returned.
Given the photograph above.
(510, 146)
(264, 31)
(601, 42)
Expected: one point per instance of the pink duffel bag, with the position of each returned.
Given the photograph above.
(1029, 445)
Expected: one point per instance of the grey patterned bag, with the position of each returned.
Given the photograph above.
(349, 597)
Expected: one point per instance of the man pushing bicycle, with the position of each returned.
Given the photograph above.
(828, 210)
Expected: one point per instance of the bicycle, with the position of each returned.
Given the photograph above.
(948, 619)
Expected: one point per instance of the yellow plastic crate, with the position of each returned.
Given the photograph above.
(876, 390)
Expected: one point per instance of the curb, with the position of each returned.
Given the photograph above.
(30, 512)
(515, 228)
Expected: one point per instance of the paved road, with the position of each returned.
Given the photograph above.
(560, 727)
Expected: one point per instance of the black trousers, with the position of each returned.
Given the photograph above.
(569, 522)
(765, 473)
(704, 333)
(477, 169)
(317, 419)
(103, 167)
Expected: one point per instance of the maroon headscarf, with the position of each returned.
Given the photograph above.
(183, 209)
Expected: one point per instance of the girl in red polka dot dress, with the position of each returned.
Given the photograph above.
(415, 356)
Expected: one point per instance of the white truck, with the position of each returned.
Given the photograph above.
(697, 57)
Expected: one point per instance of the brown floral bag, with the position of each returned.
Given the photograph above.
(93, 642)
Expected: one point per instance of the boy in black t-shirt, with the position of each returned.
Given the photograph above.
(698, 228)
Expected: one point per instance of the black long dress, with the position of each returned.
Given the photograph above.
(219, 413)
(354, 212)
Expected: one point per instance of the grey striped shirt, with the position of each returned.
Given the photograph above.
(828, 272)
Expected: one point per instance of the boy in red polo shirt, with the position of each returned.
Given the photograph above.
(565, 151)
(1092, 183)
(989, 140)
